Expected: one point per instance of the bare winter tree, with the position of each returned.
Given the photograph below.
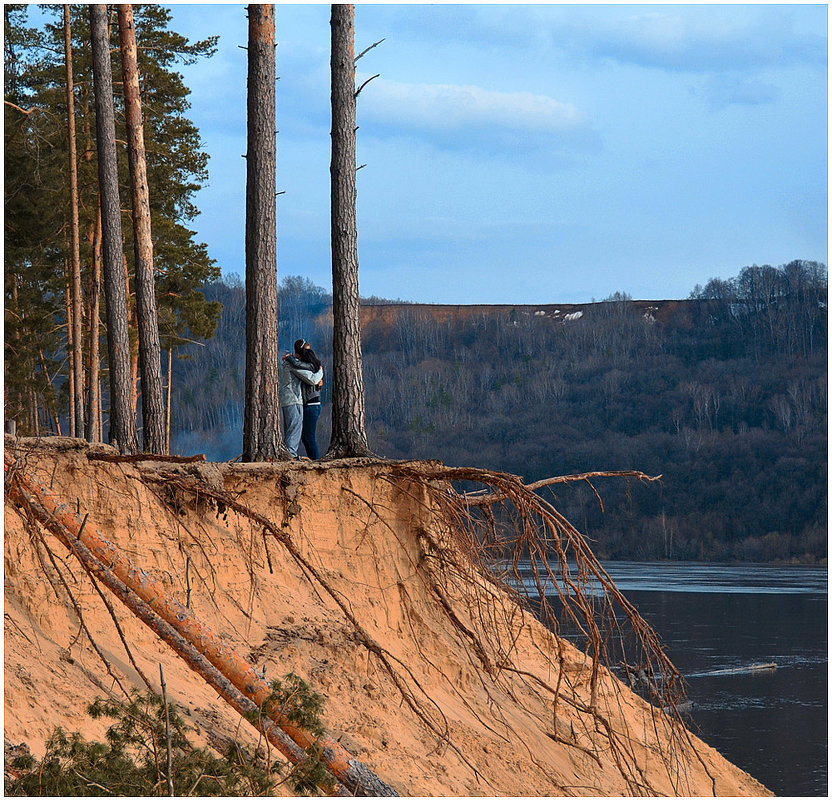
(348, 434)
(74, 324)
(122, 422)
(261, 421)
(150, 365)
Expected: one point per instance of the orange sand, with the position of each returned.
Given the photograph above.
(360, 528)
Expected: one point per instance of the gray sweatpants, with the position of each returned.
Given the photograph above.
(292, 427)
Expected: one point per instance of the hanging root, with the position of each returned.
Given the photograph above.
(508, 537)
(515, 542)
(488, 558)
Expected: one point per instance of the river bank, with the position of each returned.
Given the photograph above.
(441, 688)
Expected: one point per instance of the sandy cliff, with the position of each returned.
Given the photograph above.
(432, 715)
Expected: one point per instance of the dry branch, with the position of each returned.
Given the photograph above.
(477, 499)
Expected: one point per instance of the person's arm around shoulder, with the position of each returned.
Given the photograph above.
(302, 370)
(313, 379)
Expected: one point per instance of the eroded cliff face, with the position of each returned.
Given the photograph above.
(382, 630)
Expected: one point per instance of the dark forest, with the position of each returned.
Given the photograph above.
(723, 394)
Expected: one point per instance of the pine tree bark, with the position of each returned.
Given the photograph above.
(150, 355)
(167, 401)
(77, 397)
(122, 422)
(93, 388)
(262, 439)
(348, 434)
(70, 349)
(93, 429)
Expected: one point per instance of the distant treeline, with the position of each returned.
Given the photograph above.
(725, 396)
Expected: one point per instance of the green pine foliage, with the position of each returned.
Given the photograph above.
(133, 760)
(293, 698)
(33, 233)
(37, 203)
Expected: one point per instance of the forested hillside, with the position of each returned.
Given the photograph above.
(723, 394)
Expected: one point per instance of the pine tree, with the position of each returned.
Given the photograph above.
(122, 423)
(37, 198)
(32, 231)
(77, 367)
(153, 411)
(261, 425)
(348, 433)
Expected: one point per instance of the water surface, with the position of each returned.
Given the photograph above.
(715, 618)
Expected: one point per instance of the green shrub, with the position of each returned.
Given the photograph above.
(133, 760)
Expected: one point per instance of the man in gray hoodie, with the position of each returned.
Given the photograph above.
(293, 375)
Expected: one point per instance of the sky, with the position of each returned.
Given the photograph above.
(533, 153)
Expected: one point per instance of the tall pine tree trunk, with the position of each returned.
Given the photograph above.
(122, 422)
(132, 325)
(150, 364)
(77, 399)
(93, 430)
(348, 434)
(167, 403)
(70, 349)
(261, 426)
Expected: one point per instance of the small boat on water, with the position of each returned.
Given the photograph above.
(762, 667)
(682, 708)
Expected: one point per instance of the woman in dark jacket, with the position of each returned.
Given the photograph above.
(305, 359)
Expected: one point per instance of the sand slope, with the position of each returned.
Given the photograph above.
(429, 718)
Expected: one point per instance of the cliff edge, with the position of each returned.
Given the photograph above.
(433, 675)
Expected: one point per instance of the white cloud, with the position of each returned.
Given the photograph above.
(446, 107)
(686, 38)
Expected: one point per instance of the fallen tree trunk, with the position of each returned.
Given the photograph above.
(205, 646)
(173, 638)
(145, 457)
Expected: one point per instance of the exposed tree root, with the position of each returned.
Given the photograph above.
(526, 529)
(489, 559)
(517, 542)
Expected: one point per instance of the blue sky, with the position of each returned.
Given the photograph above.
(534, 153)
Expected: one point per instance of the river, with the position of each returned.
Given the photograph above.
(716, 618)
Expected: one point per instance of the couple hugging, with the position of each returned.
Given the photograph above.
(301, 379)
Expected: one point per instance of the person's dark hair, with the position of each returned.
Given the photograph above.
(299, 343)
(308, 355)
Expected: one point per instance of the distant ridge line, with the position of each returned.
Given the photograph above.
(372, 312)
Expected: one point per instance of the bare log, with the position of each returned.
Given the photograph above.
(145, 457)
(19, 493)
